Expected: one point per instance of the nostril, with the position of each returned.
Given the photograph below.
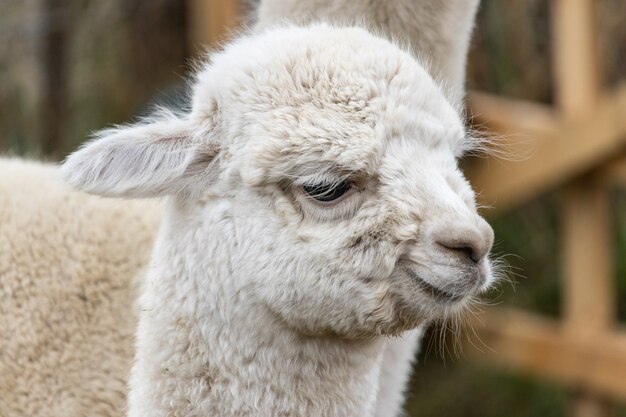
(470, 252)
(465, 249)
(467, 240)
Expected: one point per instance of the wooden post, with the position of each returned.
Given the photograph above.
(577, 78)
(588, 309)
(209, 21)
(53, 55)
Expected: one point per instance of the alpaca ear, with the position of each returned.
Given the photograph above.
(162, 157)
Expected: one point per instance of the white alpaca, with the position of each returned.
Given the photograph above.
(314, 208)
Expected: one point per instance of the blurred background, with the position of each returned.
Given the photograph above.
(547, 79)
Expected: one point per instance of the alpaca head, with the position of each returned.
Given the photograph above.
(324, 161)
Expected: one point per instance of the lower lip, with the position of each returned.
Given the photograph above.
(435, 292)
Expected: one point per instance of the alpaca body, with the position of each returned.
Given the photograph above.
(67, 293)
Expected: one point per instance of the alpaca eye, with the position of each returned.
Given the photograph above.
(327, 192)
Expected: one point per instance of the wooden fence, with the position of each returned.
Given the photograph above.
(579, 145)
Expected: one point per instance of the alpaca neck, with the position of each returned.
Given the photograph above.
(206, 348)
(440, 32)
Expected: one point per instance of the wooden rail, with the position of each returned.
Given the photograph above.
(546, 148)
(532, 344)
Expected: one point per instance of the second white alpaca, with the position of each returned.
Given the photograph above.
(315, 207)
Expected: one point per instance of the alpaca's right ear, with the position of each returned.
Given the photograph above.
(165, 156)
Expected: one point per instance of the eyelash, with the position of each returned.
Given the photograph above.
(328, 193)
(342, 207)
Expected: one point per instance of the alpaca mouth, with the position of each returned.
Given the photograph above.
(437, 293)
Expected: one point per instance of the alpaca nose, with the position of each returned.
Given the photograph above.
(469, 240)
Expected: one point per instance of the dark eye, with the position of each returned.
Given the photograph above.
(327, 192)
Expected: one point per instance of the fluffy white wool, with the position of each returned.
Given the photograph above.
(260, 301)
(68, 263)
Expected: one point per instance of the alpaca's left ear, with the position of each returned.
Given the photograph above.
(165, 156)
